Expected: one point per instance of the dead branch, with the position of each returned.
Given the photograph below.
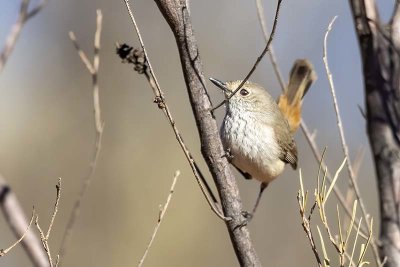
(162, 212)
(6, 250)
(93, 69)
(266, 49)
(23, 16)
(45, 237)
(17, 221)
(177, 15)
(379, 48)
(143, 65)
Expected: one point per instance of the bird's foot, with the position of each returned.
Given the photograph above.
(228, 155)
(247, 216)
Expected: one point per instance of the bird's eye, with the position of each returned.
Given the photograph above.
(244, 92)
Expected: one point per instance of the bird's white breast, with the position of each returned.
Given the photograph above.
(252, 144)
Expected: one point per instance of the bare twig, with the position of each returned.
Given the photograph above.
(343, 139)
(93, 69)
(271, 37)
(357, 165)
(162, 212)
(23, 17)
(45, 237)
(271, 53)
(6, 250)
(160, 100)
(302, 200)
(17, 221)
(341, 241)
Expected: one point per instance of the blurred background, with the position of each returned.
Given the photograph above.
(47, 128)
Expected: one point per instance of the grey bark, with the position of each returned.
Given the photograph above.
(17, 221)
(177, 15)
(380, 48)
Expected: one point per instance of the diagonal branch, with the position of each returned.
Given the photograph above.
(160, 100)
(6, 250)
(258, 60)
(17, 221)
(161, 215)
(23, 17)
(271, 53)
(177, 15)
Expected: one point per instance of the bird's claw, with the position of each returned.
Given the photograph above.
(247, 216)
(228, 155)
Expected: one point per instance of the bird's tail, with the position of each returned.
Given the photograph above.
(302, 76)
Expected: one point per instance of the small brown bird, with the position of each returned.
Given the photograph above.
(258, 132)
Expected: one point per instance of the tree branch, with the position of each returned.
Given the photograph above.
(177, 15)
(23, 17)
(143, 66)
(18, 223)
(379, 47)
(93, 69)
(161, 214)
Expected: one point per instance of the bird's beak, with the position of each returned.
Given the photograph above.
(220, 85)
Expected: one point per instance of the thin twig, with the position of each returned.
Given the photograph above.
(23, 17)
(342, 137)
(271, 53)
(350, 192)
(6, 250)
(271, 37)
(93, 69)
(45, 237)
(160, 217)
(160, 100)
(357, 165)
(302, 200)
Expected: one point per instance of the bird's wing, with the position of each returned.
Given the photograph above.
(289, 153)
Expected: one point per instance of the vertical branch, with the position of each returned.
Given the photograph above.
(340, 125)
(379, 48)
(342, 137)
(93, 69)
(45, 237)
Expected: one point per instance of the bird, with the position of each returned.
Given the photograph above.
(257, 132)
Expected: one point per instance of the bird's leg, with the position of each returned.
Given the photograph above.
(262, 188)
(246, 175)
(248, 215)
